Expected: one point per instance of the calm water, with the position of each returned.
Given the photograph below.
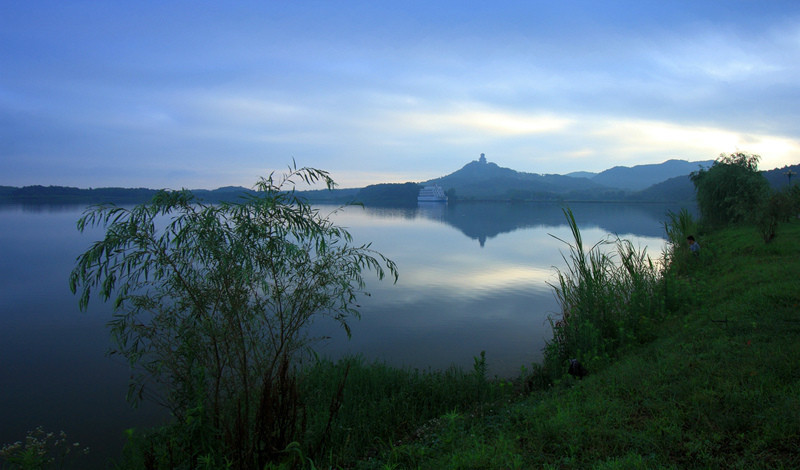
(473, 277)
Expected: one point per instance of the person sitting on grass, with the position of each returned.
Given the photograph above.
(693, 245)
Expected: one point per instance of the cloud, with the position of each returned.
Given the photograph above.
(396, 93)
(634, 138)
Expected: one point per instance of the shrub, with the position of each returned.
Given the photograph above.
(211, 304)
(780, 207)
(41, 450)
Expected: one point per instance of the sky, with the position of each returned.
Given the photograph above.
(193, 94)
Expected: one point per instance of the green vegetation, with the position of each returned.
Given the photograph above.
(610, 300)
(352, 411)
(732, 190)
(211, 304)
(700, 373)
(41, 450)
(780, 207)
(716, 387)
(401, 194)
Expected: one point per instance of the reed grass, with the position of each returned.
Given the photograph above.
(610, 298)
(679, 226)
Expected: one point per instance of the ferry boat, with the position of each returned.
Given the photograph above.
(432, 193)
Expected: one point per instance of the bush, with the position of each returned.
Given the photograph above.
(41, 450)
(211, 304)
(780, 207)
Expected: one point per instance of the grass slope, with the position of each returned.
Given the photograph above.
(718, 388)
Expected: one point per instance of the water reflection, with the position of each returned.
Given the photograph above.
(484, 221)
(456, 298)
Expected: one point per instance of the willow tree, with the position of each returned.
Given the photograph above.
(732, 190)
(211, 302)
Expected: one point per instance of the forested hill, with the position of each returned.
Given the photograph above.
(476, 181)
(486, 180)
(68, 195)
(664, 182)
(641, 177)
(71, 195)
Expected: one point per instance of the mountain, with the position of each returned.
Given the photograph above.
(389, 194)
(582, 174)
(487, 181)
(780, 177)
(667, 181)
(677, 189)
(70, 195)
(640, 177)
(476, 181)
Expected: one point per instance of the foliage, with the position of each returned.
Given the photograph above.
(41, 450)
(678, 227)
(780, 207)
(382, 406)
(211, 302)
(377, 407)
(609, 300)
(732, 190)
(400, 194)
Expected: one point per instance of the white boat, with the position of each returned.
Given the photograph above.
(432, 193)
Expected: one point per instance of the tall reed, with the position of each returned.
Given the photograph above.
(678, 226)
(609, 297)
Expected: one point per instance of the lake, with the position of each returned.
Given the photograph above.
(473, 277)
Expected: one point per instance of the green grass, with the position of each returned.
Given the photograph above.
(383, 406)
(718, 387)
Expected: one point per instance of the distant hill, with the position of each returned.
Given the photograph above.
(5, 191)
(778, 178)
(677, 189)
(681, 188)
(389, 194)
(481, 180)
(71, 195)
(640, 177)
(476, 181)
(582, 174)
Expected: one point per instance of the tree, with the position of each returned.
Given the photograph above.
(211, 303)
(780, 206)
(732, 190)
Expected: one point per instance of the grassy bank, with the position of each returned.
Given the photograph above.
(718, 386)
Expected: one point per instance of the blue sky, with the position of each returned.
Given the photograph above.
(207, 94)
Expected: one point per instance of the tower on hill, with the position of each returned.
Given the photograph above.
(482, 159)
